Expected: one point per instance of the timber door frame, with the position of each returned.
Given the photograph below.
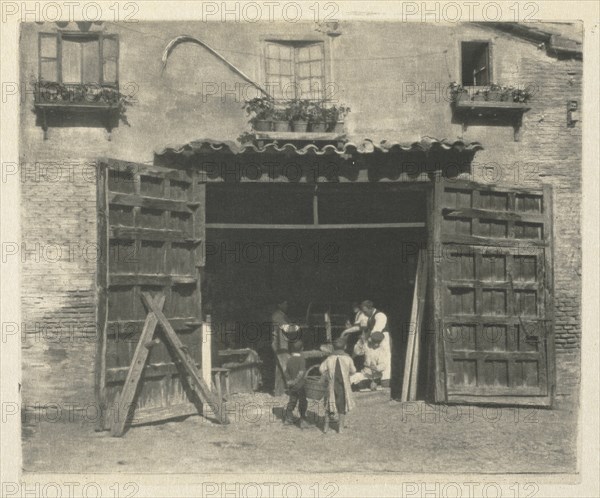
(473, 241)
(175, 198)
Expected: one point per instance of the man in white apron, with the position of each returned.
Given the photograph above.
(376, 322)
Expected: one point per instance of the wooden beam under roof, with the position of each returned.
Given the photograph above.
(343, 226)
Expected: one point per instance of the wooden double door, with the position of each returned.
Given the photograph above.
(492, 294)
(490, 252)
(150, 234)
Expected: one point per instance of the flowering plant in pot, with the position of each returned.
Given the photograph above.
(298, 114)
(480, 95)
(281, 120)
(458, 92)
(262, 110)
(334, 117)
(317, 117)
(521, 95)
(495, 92)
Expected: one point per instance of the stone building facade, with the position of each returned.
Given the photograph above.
(393, 76)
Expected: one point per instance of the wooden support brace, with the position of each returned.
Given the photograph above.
(196, 380)
(125, 403)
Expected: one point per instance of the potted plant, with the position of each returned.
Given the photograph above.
(334, 118)
(494, 93)
(281, 120)
(262, 110)
(458, 92)
(506, 94)
(316, 113)
(521, 95)
(479, 96)
(298, 115)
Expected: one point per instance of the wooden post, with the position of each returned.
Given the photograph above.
(315, 207)
(101, 294)
(206, 360)
(328, 327)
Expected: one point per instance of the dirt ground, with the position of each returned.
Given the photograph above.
(383, 436)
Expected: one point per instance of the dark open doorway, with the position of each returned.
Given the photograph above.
(266, 243)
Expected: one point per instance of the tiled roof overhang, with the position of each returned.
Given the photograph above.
(308, 162)
(346, 150)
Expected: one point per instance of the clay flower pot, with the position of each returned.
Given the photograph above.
(281, 126)
(300, 126)
(463, 96)
(262, 125)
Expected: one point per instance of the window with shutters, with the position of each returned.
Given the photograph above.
(78, 71)
(79, 58)
(295, 69)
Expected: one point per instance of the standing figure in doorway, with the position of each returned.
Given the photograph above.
(295, 371)
(376, 322)
(359, 324)
(337, 369)
(283, 332)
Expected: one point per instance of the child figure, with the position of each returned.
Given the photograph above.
(294, 372)
(337, 369)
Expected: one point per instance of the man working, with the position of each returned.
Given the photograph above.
(283, 332)
(359, 324)
(376, 322)
(376, 363)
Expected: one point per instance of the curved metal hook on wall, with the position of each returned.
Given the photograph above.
(190, 39)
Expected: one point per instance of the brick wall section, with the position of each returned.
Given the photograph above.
(58, 283)
(557, 150)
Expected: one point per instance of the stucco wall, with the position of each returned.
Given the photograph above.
(393, 76)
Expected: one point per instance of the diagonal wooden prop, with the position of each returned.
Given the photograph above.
(196, 380)
(134, 374)
(154, 317)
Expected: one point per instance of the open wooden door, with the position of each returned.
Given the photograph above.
(492, 291)
(150, 228)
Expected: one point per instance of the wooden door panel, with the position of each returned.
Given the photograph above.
(493, 284)
(154, 223)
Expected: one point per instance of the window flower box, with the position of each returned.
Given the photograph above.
(468, 111)
(303, 116)
(100, 102)
(495, 103)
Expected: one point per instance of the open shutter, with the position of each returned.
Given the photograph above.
(48, 57)
(110, 59)
(150, 228)
(493, 294)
